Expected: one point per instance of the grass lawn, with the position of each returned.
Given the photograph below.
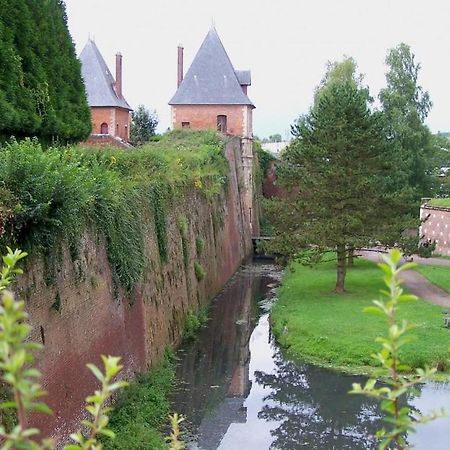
(443, 202)
(317, 325)
(439, 275)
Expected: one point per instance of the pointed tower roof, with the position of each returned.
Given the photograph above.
(98, 79)
(211, 79)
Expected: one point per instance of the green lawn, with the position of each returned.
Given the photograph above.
(313, 323)
(438, 275)
(444, 202)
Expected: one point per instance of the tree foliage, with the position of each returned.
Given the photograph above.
(143, 125)
(406, 105)
(273, 138)
(336, 169)
(41, 90)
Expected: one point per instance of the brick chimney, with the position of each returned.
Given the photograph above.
(119, 75)
(180, 65)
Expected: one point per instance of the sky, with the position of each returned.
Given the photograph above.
(285, 43)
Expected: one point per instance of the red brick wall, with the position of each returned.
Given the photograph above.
(102, 115)
(123, 117)
(82, 317)
(435, 227)
(270, 187)
(118, 120)
(204, 117)
(104, 140)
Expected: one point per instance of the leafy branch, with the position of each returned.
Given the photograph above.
(96, 406)
(396, 378)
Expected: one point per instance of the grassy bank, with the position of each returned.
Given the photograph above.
(439, 275)
(313, 323)
(52, 195)
(142, 410)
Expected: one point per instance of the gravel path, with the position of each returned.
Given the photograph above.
(415, 282)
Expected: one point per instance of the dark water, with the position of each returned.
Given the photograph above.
(238, 392)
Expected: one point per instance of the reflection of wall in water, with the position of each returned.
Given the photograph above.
(215, 369)
(240, 381)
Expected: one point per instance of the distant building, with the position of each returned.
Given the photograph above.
(110, 111)
(275, 148)
(212, 95)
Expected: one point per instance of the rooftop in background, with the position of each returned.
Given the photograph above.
(211, 79)
(98, 79)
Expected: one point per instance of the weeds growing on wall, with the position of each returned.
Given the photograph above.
(194, 321)
(199, 246)
(55, 195)
(200, 272)
(183, 228)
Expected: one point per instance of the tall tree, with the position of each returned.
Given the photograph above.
(406, 105)
(143, 125)
(335, 168)
(41, 90)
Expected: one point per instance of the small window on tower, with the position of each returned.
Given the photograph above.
(185, 124)
(222, 124)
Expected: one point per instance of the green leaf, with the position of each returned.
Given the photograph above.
(94, 369)
(41, 407)
(7, 405)
(107, 432)
(373, 310)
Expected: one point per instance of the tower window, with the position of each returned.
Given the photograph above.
(185, 124)
(222, 123)
(104, 128)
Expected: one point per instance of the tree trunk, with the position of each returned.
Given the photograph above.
(341, 267)
(350, 255)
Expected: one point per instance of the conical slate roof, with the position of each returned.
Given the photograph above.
(211, 79)
(98, 79)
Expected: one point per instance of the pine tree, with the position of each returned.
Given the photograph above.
(336, 168)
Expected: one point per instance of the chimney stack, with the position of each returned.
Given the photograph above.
(180, 65)
(119, 75)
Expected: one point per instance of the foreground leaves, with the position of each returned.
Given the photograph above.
(396, 382)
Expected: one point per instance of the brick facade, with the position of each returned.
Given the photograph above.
(117, 119)
(435, 227)
(204, 117)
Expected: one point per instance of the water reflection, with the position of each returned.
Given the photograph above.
(315, 410)
(213, 372)
(237, 391)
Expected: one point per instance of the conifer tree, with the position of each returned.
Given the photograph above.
(41, 90)
(336, 168)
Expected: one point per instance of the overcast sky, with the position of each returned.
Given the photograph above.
(285, 43)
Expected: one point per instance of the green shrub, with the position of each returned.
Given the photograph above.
(193, 322)
(200, 246)
(200, 272)
(53, 196)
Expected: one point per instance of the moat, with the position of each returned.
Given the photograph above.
(238, 391)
